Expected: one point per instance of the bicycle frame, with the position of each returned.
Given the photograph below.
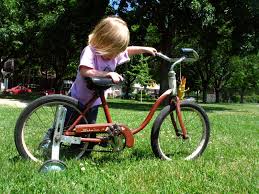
(75, 129)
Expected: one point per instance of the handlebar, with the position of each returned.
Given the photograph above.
(189, 55)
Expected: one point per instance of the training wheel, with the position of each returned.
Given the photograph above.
(52, 166)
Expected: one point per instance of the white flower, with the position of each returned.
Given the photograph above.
(83, 168)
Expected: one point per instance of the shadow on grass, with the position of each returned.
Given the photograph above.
(16, 159)
(133, 105)
(118, 157)
(214, 107)
(140, 154)
(119, 103)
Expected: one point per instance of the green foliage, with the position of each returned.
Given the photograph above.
(50, 35)
(204, 10)
(152, 36)
(142, 71)
(251, 99)
(11, 28)
(247, 99)
(251, 64)
(136, 71)
(135, 28)
(217, 30)
(246, 76)
(144, 97)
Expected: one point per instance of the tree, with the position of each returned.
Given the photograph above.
(64, 32)
(245, 79)
(222, 68)
(47, 33)
(217, 30)
(136, 70)
(170, 19)
(11, 30)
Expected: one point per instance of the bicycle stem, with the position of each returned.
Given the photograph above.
(172, 81)
(172, 78)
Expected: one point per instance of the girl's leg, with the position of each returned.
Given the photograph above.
(91, 117)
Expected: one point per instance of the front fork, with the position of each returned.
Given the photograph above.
(183, 132)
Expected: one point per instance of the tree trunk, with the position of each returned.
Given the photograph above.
(164, 81)
(164, 68)
(127, 89)
(197, 96)
(204, 91)
(29, 76)
(217, 91)
(59, 69)
(163, 78)
(204, 95)
(242, 93)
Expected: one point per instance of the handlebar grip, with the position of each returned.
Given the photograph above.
(186, 50)
(190, 54)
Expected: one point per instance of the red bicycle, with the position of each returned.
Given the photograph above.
(181, 129)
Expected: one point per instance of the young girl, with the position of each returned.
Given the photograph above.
(107, 48)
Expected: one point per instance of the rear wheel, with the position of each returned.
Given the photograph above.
(166, 139)
(37, 118)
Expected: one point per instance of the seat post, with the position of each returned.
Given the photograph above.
(105, 107)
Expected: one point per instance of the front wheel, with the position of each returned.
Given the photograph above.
(166, 139)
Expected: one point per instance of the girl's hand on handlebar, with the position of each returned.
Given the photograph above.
(150, 50)
(116, 78)
(135, 50)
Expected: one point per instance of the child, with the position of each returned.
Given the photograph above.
(107, 48)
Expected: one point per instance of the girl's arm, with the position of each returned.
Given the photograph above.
(134, 50)
(89, 72)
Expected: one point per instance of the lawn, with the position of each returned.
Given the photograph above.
(228, 165)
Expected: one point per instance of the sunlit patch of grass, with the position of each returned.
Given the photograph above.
(228, 165)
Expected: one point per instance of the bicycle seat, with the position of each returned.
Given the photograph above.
(99, 83)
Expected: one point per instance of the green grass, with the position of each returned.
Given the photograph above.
(229, 164)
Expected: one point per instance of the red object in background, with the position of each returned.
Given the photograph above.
(52, 91)
(18, 90)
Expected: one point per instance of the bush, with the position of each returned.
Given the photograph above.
(247, 99)
(145, 97)
(235, 99)
(252, 99)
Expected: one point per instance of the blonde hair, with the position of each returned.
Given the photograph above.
(110, 36)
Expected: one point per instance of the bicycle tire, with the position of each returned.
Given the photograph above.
(167, 145)
(36, 119)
